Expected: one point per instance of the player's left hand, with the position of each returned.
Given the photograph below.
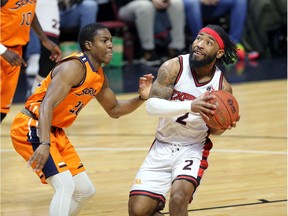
(56, 53)
(145, 84)
(39, 157)
(13, 58)
(234, 123)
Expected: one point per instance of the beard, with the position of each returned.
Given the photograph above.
(194, 63)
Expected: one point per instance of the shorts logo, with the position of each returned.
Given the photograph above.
(137, 181)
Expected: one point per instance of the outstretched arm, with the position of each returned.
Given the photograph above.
(117, 108)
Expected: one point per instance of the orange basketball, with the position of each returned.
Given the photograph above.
(227, 110)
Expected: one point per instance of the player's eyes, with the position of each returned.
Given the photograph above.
(210, 43)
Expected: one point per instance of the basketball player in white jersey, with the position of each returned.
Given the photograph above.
(178, 157)
(38, 61)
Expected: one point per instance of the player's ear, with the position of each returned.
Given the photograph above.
(220, 53)
(88, 45)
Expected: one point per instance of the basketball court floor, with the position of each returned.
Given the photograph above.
(247, 174)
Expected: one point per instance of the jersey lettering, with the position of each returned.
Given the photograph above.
(77, 108)
(177, 95)
(88, 91)
(22, 3)
(26, 19)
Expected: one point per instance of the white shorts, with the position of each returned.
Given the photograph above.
(166, 163)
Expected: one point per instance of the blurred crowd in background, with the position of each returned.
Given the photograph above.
(150, 31)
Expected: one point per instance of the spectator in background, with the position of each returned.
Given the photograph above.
(68, 14)
(77, 13)
(15, 35)
(74, 14)
(197, 10)
(38, 63)
(266, 27)
(143, 13)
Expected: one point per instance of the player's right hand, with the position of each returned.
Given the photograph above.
(39, 157)
(13, 58)
(202, 106)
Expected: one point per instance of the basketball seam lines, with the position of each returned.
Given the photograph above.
(226, 109)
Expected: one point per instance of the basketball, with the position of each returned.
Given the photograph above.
(226, 112)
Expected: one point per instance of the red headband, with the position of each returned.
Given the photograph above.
(215, 35)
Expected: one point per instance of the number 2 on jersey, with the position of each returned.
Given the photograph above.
(181, 119)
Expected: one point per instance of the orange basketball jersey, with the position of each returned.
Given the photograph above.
(78, 97)
(16, 20)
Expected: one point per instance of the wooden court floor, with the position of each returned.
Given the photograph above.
(247, 174)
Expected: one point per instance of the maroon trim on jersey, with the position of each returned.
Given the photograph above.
(221, 81)
(149, 194)
(51, 34)
(195, 77)
(181, 69)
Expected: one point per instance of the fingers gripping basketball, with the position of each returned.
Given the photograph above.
(227, 110)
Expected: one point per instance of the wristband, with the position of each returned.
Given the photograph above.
(140, 98)
(2, 49)
(45, 143)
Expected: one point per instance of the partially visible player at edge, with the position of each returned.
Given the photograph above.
(178, 157)
(17, 17)
(55, 104)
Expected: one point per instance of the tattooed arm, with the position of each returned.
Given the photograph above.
(166, 77)
(159, 104)
(227, 86)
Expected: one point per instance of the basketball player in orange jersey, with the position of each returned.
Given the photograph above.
(17, 17)
(178, 157)
(37, 133)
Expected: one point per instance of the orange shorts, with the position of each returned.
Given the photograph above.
(9, 80)
(24, 135)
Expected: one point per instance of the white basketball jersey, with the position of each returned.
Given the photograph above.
(188, 128)
(48, 15)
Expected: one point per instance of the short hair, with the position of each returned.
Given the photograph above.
(88, 32)
(230, 55)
